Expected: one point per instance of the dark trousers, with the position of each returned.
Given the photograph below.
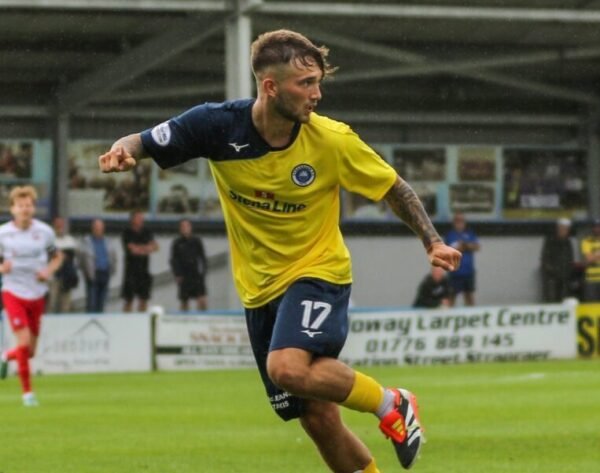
(555, 288)
(591, 291)
(96, 292)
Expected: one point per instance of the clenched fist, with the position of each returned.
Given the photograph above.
(116, 160)
(444, 256)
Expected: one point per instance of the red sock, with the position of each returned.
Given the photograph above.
(12, 353)
(22, 357)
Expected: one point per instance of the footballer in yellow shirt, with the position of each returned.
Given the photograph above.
(281, 205)
(279, 167)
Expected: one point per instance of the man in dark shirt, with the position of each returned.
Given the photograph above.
(434, 291)
(557, 263)
(188, 263)
(138, 244)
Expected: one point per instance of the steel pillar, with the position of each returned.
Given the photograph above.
(238, 37)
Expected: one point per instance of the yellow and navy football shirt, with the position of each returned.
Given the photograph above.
(281, 205)
(591, 246)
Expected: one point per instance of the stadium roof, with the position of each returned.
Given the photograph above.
(532, 62)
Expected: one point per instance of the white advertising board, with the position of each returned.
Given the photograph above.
(476, 334)
(81, 343)
(187, 342)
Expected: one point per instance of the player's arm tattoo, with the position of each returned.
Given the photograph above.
(406, 204)
(133, 145)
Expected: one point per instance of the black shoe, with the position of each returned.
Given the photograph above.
(403, 428)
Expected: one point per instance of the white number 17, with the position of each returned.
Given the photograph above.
(309, 307)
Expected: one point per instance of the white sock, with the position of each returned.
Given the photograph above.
(387, 404)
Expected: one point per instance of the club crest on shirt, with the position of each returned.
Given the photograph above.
(162, 134)
(303, 175)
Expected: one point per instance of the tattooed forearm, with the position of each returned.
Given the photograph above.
(406, 204)
(133, 145)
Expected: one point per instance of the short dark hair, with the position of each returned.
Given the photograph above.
(285, 46)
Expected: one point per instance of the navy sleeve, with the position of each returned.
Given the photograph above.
(182, 138)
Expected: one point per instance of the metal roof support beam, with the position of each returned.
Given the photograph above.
(238, 37)
(540, 88)
(119, 5)
(24, 111)
(520, 59)
(162, 93)
(365, 116)
(554, 15)
(134, 63)
(445, 118)
(593, 161)
(467, 68)
(61, 165)
(507, 119)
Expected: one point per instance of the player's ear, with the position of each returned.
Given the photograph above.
(269, 86)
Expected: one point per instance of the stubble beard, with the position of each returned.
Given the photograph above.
(286, 112)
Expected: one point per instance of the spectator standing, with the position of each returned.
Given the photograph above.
(138, 245)
(66, 278)
(98, 263)
(590, 251)
(434, 291)
(557, 261)
(188, 263)
(464, 240)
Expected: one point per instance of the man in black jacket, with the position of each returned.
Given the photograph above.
(188, 262)
(557, 263)
(434, 290)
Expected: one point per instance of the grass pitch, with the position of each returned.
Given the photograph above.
(517, 418)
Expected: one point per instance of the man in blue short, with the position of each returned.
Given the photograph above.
(278, 168)
(465, 241)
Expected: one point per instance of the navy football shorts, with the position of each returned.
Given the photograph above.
(462, 283)
(311, 315)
